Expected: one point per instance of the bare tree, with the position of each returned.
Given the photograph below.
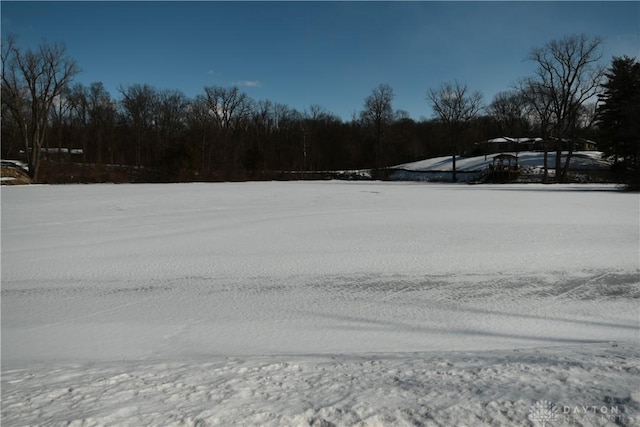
(378, 113)
(60, 116)
(102, 116)
(287, 123)
(568, 74)
(312, 124)
(139, 102)
(231, 110)
(539, 108)
(80, 117)
(31, 82)
(509, 109)
(455, 106)
(228, 105)
(200, 123)
(93, 116)
(170, 121)
(262, 117)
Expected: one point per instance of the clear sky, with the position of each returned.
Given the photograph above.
(327, 53)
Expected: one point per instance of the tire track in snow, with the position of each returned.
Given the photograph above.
(96, 313)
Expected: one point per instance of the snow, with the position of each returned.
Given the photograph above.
(319, 303)
(531, 159)
(15, 163)
(516, 140)
(62, 150)
(370, 389)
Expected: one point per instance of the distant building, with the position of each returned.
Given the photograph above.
(507, 144)
(72, 154)
(510, 144)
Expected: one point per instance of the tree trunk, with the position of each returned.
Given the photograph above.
(378, 138)
(559, 160)
(34, 155)
(565, 169)
(34, 163)
(545, 176)
(60, 144)
(454, 177)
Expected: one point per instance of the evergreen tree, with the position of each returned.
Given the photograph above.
(619, 117)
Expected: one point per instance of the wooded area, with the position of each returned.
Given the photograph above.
(223, 134)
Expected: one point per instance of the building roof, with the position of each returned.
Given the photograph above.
(511, 139)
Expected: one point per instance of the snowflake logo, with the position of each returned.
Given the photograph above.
(543, 411)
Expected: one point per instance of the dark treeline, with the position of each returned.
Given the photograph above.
(223, 134)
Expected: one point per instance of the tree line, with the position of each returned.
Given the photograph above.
(223, 134)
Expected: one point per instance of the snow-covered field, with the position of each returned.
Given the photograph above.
(320, 303)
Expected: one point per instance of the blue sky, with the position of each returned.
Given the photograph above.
(327, 53)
